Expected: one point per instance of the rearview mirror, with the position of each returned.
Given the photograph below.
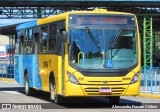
(64, 36)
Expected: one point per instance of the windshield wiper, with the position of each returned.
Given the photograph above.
(114, 42)
(116, 38)
(112, 56)
(91, 36)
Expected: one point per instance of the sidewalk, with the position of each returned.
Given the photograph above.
(7, 79)
(10, 86)
(147, 95)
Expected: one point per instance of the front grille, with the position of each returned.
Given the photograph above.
(95, 91)
(102, 81)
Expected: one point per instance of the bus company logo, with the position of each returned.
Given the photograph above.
(105, 82)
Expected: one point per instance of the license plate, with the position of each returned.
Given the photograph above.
(105, 90)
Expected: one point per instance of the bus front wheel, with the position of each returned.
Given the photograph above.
(53, 93)
(114, 99)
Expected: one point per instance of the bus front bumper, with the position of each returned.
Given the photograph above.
(94, 90)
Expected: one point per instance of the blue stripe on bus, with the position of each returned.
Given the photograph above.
(31, 64)
(18, 69)
(27, 25)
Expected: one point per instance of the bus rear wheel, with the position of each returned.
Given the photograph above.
(53, 93)
(114, 99)
(28, 90)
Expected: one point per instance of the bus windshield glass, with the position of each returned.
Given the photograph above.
(103, 46)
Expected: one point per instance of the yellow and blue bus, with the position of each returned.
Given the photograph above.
(80, 53)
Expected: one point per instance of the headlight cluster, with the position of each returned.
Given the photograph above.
(135, 78)
(72, 78)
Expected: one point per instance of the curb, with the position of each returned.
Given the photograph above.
(156, 96)
(7, 80)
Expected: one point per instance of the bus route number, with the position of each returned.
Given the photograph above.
(45, 64)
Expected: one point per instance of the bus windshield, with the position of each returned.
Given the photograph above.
(103, 47)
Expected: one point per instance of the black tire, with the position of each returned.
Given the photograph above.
(28, 90)
(114, 99)
(53, 93)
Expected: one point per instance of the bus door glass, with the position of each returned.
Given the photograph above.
(60, 31)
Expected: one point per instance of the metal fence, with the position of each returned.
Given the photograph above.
(150, 80)
(6, 71)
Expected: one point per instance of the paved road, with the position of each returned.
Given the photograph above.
(14, 93)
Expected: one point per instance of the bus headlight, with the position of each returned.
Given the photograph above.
(72, 78)
(135, 78)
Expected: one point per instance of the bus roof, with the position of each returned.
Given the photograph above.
(27, 25)
(52, 18)
(64, 15)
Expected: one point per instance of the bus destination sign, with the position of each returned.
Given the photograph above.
(101, 20)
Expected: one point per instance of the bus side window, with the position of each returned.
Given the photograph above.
(43, 46)
(52, 37)
(52, 45)
(25, 42)
(21, 45)
(36, 35)
(29, 47)
(30, 38)
(28, 41)
(17, 42)
(43, 39)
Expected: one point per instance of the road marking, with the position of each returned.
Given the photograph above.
(12, 92)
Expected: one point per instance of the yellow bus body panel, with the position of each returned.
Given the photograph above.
(48, 63)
